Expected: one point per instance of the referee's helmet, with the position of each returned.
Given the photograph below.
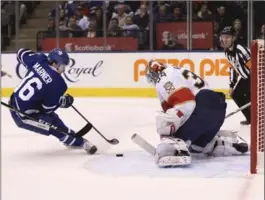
(228, 31)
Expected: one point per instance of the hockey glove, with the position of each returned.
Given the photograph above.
(66, 101)
(168, 123)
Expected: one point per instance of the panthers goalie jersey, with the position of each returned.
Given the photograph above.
(177, 88)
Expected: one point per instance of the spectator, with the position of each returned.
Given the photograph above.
(204, 13)
(86, 7)
(82, 20)
(222, 18)
(66, 10)
(130, 29)
(170, 42)
(142, 19)
(74, 29)
(165, 5)
(99, 18)
(63, 25)
(94, 4)
(177, 14)
(216, 37)
(50, 29)
(163, 15)
(114, 30)
(120, 15)
(51, 24)
(240, 36)
(92, 29)
(145, 4)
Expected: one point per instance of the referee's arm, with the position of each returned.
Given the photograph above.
(232, 77)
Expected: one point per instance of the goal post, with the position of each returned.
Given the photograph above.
(257, 106)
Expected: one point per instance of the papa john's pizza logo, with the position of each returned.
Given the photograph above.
(72, 72)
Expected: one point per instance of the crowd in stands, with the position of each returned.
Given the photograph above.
(79, 19)
(8, 18)
(132, 18)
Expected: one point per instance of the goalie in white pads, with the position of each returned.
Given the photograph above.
(192, 117)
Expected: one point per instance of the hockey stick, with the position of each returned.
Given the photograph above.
(80, 133)
(238, 110)
(137, 139)
(113, 141)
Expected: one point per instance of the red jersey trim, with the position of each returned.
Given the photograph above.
(180, 96)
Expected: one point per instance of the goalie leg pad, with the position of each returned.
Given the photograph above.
(224, 146)
(172, 152)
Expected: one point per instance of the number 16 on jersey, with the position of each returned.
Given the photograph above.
(26, 89)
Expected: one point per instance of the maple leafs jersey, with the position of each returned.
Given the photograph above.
(40, 90)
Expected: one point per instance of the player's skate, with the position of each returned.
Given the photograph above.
(89, 147)
(78, 143)
(172, 152)
(225, 145)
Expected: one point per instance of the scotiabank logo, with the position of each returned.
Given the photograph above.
(70, 47)
(207, 67)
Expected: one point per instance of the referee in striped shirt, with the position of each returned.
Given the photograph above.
(240, 59)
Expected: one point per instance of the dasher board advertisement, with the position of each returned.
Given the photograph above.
(122, 74)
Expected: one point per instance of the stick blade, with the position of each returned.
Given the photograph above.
(137, 139)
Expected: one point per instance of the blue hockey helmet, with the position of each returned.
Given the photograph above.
(59, 56)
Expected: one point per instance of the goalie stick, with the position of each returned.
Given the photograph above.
(80, 133)
(137, 139)
(238, 110)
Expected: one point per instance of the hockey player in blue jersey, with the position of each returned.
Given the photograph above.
(41, 92)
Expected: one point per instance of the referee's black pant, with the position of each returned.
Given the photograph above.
(241, 96)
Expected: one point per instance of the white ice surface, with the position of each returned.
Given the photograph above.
(36, 167)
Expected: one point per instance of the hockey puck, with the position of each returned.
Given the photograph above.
(119, 155)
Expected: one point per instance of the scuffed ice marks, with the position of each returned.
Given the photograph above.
(138, 163)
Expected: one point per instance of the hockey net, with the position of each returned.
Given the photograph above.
(257, 106)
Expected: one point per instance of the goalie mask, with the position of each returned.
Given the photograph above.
(154, 71)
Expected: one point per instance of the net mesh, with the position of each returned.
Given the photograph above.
(260, 103)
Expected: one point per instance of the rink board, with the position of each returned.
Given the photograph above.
(122, 74)
(109, 92)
